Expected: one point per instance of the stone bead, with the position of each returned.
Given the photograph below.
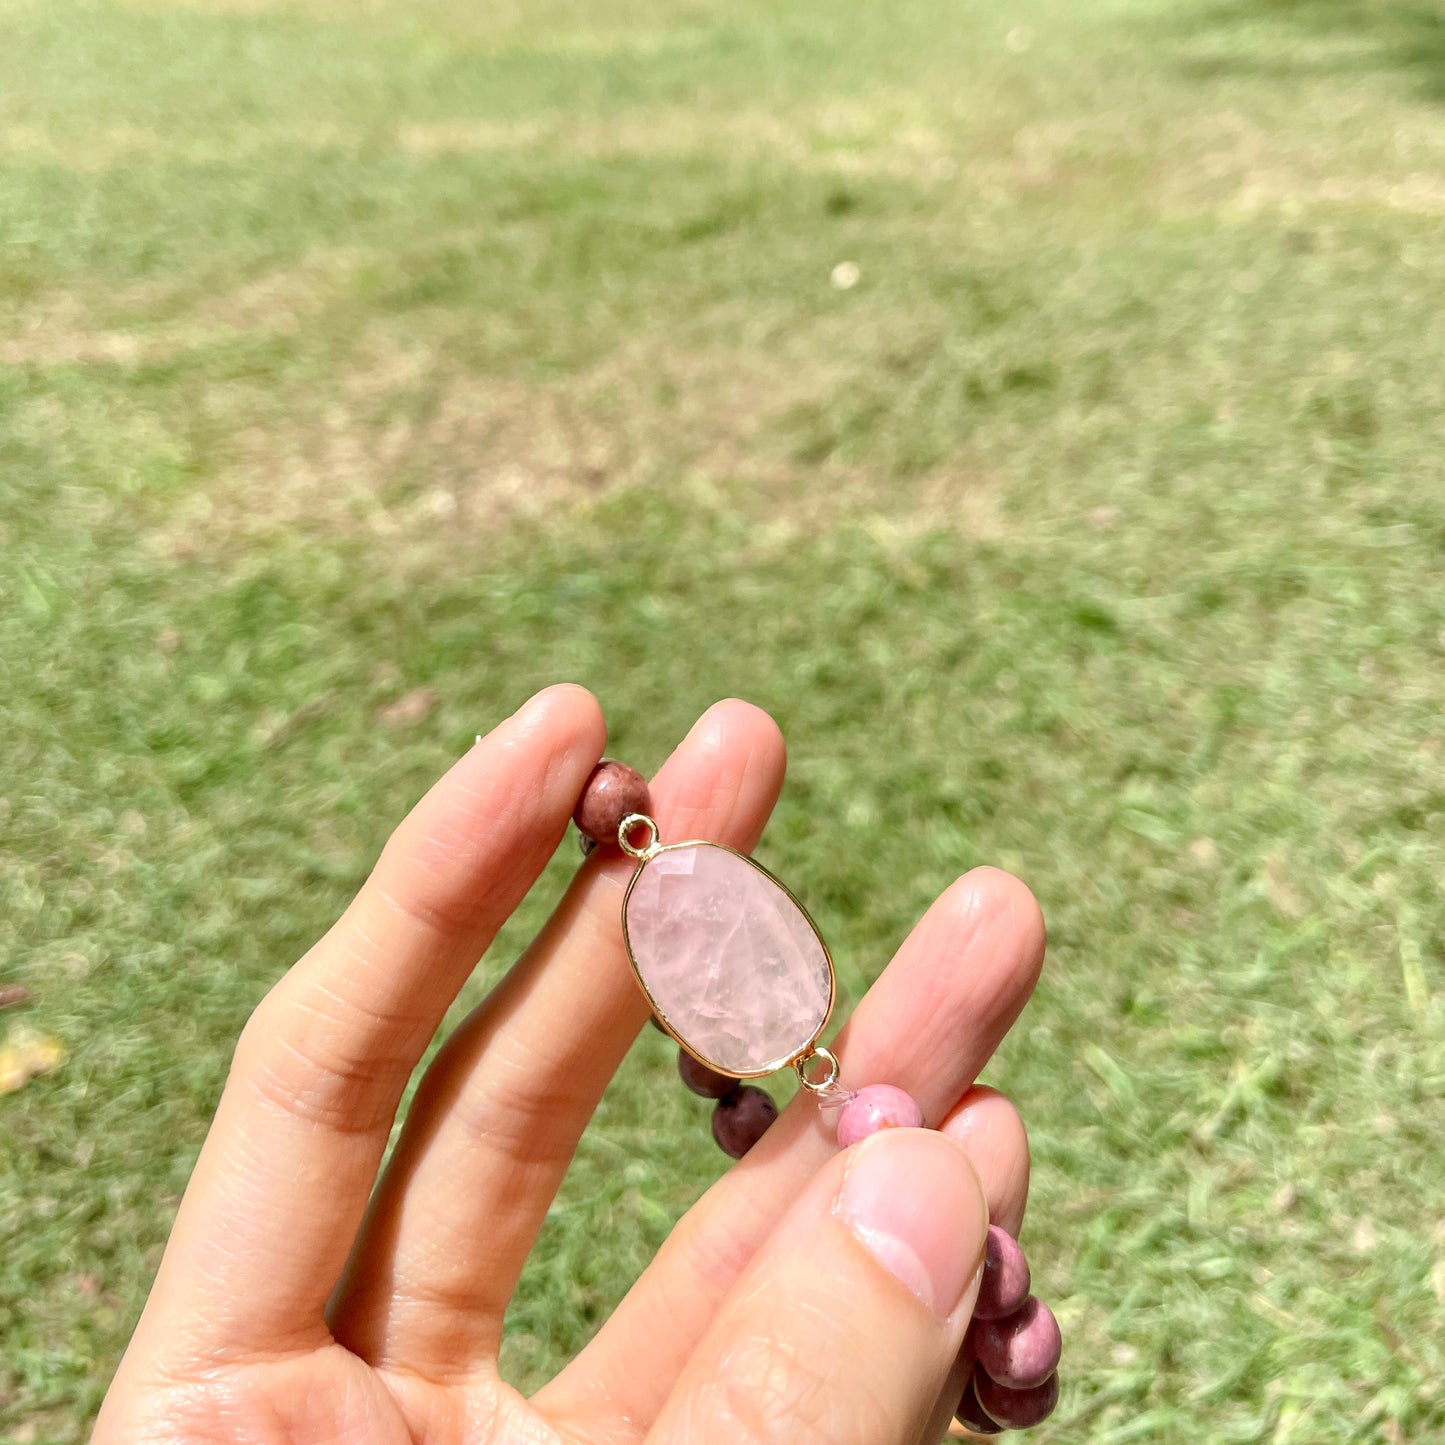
(705, 1082)
(1005, 1283)
(1021, 1351)
(612, 792)
(970, 1413)
(727, 957)
(741, 1118)
(876, 1107)
(1015, 1409)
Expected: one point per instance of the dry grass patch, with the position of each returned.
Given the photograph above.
(884, 137)
(66, 329)
(409, 445)
(410, 449)
(1230, 160)
(593, 25)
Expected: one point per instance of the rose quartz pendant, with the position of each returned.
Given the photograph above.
(729, 960)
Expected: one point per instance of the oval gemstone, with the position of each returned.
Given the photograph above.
(727, 958)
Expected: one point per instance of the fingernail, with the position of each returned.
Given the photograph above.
(912, 1200)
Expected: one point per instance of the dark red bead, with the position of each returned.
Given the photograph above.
(705, 1082)
(741, 1118)
(1015, 1409)
(1005, 1283)
(970, 1413)
(612, 792)
(1022, 1350)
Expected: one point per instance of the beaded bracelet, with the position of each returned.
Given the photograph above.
(738, 1014)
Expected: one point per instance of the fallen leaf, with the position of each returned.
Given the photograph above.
(1280, 891)
(279, 730)
(12, 994)
(25, 1055)
(409, 709)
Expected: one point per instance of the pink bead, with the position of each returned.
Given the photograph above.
(1005, 1283)
(1021, 1351)
(1016, 1409)
(878, 1106)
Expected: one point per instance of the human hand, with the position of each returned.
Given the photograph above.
(809, 1295)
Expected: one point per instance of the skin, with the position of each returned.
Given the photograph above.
(303, 1299)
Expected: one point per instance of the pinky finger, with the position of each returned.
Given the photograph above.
(990, 1131)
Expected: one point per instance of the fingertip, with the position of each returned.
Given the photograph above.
(732, 720)
(725, 776)
(915, 1202)
(989, 896)
(567, 706)
(923, 1159)
(990, 1130)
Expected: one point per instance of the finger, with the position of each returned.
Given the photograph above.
(928, 1024)
(284, 1176)
(498, 1116)
(845, 1324)
(989, 1130)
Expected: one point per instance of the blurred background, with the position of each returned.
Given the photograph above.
(1037, 407)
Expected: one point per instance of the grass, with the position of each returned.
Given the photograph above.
(350, 352)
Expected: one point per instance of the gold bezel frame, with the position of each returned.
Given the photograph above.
(656, 850)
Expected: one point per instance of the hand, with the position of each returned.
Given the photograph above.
(810, 1295)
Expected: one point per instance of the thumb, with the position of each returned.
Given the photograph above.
(845, 1325)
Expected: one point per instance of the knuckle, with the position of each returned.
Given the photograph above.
(716, 1243)
(307, 1066)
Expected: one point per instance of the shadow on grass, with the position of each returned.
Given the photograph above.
(1319, 38)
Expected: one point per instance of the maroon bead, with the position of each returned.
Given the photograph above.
(612, 792)
(1021, 1351)
(1015, 1409)
(1005, 1283)
(705, 1082)
(970, 1413)
(741, 1118)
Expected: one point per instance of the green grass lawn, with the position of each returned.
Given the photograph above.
(366, 366)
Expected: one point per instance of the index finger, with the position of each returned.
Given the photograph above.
(283, 1179)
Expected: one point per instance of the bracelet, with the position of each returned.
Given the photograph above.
(737, 973)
